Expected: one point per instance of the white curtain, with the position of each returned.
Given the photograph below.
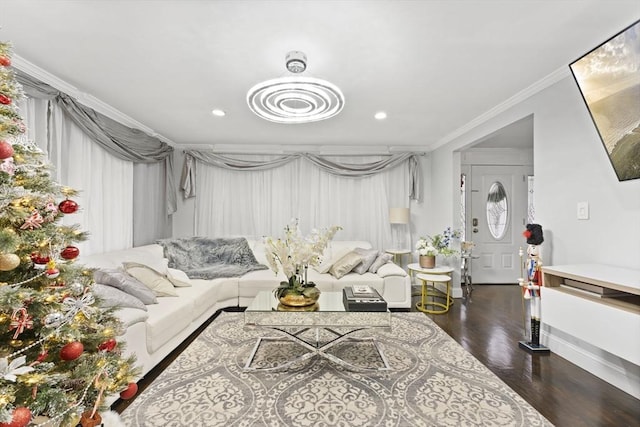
(150, 220)
(105, 182)
(259, 203)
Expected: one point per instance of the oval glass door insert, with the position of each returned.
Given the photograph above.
(497, 210)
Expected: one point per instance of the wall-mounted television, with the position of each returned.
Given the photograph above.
(609, 80)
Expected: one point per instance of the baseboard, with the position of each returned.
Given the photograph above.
(616, 371)
(456, 292)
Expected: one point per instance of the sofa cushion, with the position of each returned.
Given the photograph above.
(224, 288)
(178, 278)
(203, 293)
(167, 319)
(263, 280)
(368, 257)
(324, 282)
(113, 297)
(119, 279)
(157, 282)
(258, 249)
(354, 279)
(130, 316)
(381, 260)
(345, 264)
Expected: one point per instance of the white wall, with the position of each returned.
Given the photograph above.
(570, 166)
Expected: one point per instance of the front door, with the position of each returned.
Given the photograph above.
(497, 219)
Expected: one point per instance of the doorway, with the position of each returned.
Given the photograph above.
(498, 216)
(497, 201)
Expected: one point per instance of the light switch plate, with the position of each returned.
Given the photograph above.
(583, 210)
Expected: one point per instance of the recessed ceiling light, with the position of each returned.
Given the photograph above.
(218, 113)
(380, 115)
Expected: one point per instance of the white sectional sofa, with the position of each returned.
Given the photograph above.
(156, 329)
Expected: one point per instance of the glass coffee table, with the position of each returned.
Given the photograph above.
(305, 328)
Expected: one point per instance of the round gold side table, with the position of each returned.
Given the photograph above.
(429, 290)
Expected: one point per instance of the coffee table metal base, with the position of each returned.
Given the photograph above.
(317, 349)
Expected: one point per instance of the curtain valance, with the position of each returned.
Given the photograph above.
(121, 141)
(355, 170)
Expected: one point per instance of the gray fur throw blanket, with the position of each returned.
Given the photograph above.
(210, 258)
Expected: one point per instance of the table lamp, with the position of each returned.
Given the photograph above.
(400, 218)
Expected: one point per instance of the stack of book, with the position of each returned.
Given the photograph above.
(362, 298)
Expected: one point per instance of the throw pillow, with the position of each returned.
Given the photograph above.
(381, 260)
(345, 264)
(178, 278)
(368, 257)
(118, 279)
(329, 260)
(390, 269)
(113, 297)
(157, 282)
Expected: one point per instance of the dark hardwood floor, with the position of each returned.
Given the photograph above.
(489, 325)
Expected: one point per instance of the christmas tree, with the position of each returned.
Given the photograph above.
(59, 353)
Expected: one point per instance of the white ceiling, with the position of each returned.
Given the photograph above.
(434, 66)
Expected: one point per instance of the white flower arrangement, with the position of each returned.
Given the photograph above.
(296, 252)
(425, 248)
(438, 244)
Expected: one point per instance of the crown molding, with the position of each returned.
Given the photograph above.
(84, 98)
(519, 97)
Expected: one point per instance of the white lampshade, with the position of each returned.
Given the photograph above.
(399, 215)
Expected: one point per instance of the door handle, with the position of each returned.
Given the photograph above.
(475, 230)
(474, 222)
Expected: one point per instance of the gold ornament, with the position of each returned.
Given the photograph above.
(32, 379)
(9, 261)
(15, 343)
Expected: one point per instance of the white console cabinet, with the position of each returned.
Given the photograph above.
(591, 317)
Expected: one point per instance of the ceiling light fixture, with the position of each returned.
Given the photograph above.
(380, 115)
(295, 99)
(218, 113)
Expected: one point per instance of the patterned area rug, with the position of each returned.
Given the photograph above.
(434, 382)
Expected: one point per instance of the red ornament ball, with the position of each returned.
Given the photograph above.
(129, 392)
(20, 418)
(68, 206)
(52, 273)
(6, 150)
(108, 345)
(71, 351)
(5, 61)
(70, 252)
(5, 99)
(39, 261)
